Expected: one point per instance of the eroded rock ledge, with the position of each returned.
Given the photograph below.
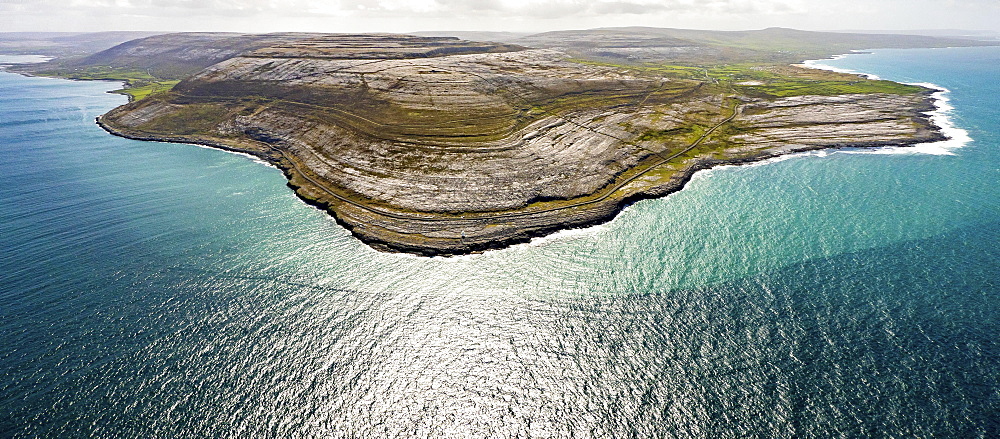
(457, 150)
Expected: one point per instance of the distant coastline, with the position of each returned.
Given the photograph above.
(8, 60)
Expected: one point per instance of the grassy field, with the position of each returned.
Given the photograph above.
(138, 90)
(138, 84)
(769, 80)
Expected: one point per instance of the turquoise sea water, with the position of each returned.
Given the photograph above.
(164, 290)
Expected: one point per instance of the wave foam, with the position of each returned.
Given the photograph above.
(818, 64)
(940, 116)
(566, 235)
(252, 157)
(957, 137)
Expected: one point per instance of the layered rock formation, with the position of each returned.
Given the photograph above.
(439, 146)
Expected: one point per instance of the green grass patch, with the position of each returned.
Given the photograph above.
(139, 92)
(782, 89)
(102, 73)
(139, 84)
(779, 81)
(768, 80)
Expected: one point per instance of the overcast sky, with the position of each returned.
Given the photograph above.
(490, 15)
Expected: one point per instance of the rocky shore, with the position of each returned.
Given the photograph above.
(442, 150)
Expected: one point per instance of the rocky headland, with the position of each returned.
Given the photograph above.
(439, 146)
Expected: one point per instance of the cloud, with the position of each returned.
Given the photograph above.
(525, 15)
(620, 7)
(551, 9)
(440, 8)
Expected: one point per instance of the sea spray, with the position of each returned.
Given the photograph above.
(941, 116)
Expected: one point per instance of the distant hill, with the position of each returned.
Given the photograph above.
(173, 56)
(64, 44)
(178, 55)
(643, 44)
(496, 37)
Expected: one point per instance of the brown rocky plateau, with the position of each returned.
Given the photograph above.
(437, 146)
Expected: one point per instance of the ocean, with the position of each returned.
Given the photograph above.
(168, 290)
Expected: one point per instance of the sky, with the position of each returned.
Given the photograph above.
(491, 15)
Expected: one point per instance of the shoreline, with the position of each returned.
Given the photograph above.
(609, 207)
(940, 116)
(386, 227)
